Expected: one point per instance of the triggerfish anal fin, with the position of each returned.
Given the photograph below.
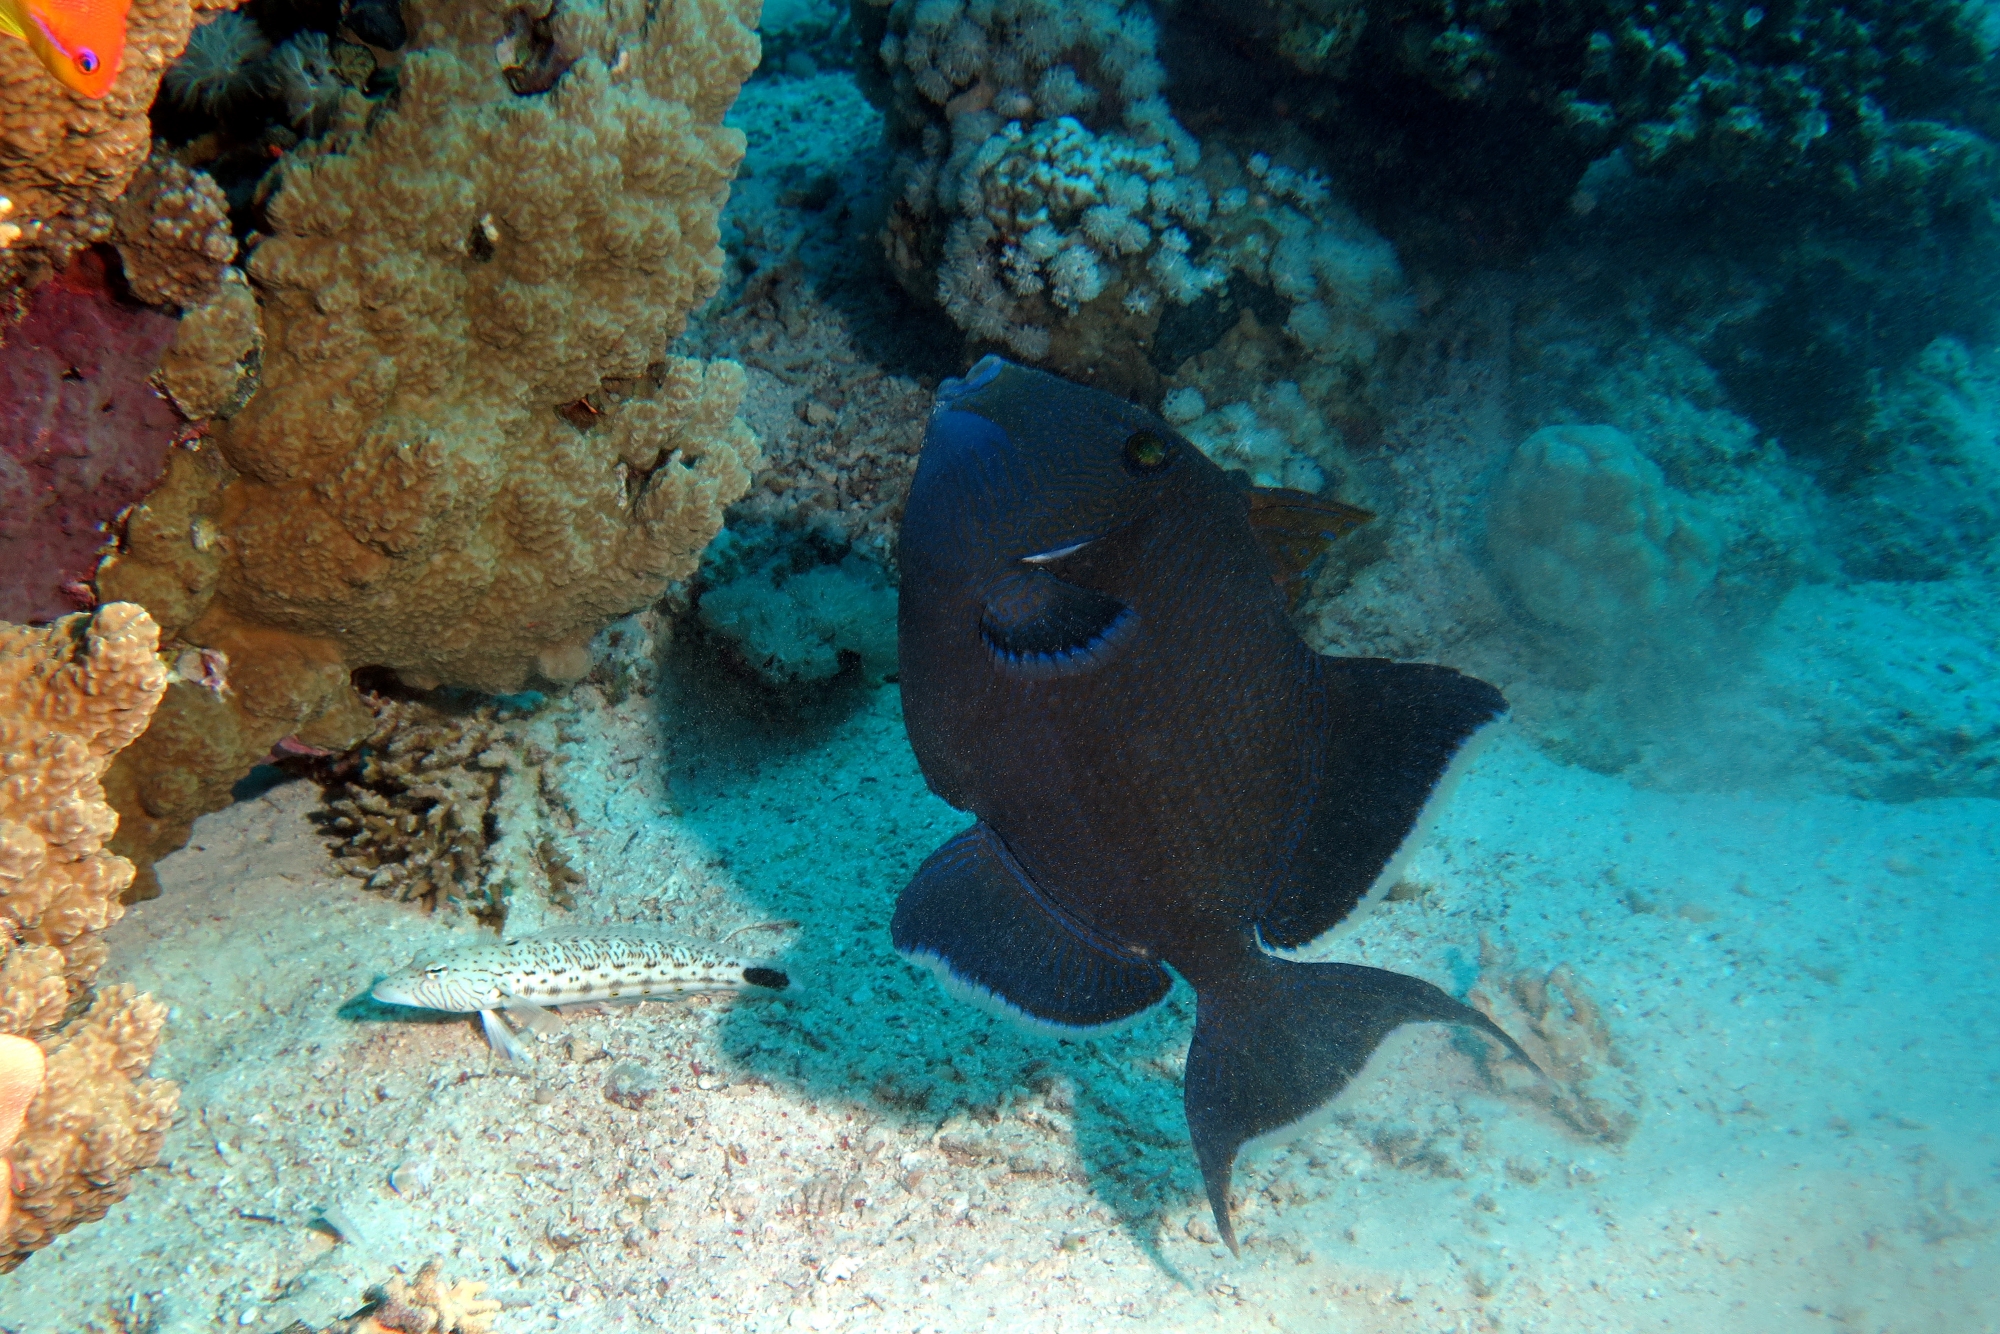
(1281, 1040)
(80, 42)
(971, 915)
(1295, 528)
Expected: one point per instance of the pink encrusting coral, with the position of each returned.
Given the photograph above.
(84, 435)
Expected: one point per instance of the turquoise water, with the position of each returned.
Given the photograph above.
(1665, 365)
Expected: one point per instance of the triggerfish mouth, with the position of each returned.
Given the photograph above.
(80, 42)
(1097, 663)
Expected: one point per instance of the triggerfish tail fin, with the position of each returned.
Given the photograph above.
(1277, 1042)
(1397, 735)
(1295, 528)
(971, 914)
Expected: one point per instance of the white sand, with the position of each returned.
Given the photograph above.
(1804, 1004)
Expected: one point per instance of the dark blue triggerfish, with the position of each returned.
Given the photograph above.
(1096, 662)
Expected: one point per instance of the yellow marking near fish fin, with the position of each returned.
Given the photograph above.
(534, 1016)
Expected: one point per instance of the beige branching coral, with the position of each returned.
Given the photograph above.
(438, 807)
(171, 228)
(72, 695)
(1555, 1020)
(64, 159)
(209, 369)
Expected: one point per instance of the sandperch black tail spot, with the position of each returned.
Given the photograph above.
(766, 977)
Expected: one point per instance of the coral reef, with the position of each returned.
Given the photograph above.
(96, 1122)
(1929, 506)
(210, 368)
(1590, 537)
(430, 808)
(1472, 126)
(795, 626)
(171, 228)
(1055, 206)
(84, 434)
(72, 695)
(468, 449)
(63, 159)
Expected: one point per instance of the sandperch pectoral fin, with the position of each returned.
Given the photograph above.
(500, 1037)
(1281, 1040)
(971, 915)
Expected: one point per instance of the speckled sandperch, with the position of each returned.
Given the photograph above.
(569, 968)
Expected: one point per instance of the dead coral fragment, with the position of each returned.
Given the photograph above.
(1561, 1027)
(426, 1305)
(96, 1122)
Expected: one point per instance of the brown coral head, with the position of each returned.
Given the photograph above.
(541, 52)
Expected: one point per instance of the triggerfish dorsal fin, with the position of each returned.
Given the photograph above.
(1397, 738)
(1295, 528)
(80, 42)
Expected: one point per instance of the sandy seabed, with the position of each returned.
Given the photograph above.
(1774, 1024)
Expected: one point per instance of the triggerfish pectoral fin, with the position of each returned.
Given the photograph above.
(971, 915)
(80, 42)
(1280, 1040)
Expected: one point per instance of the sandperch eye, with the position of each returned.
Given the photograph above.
(86, 60)
(1145, 452)
(435, 970)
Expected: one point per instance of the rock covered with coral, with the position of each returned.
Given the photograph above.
(468, 447)
(84, 434)
(171, 227)
(72, 695)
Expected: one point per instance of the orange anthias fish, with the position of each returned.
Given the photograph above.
(81, 42)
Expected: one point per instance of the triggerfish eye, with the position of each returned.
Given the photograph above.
(1145, 452)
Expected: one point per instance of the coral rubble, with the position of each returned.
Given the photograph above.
(72, 695)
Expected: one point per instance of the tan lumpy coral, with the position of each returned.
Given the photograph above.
(468, 448)
(72, 695)
(65, 158)
(423, 480)
(171, 228)
(96, 1121)
(210, 368)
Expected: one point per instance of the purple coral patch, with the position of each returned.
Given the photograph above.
(83, 434)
